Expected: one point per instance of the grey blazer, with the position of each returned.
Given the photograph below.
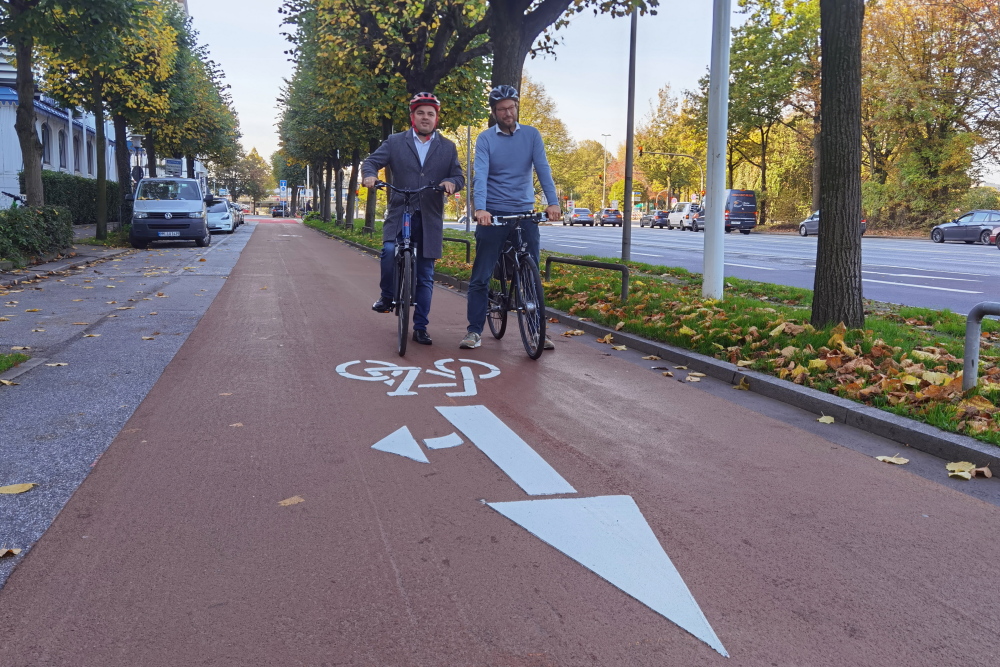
(441, 164)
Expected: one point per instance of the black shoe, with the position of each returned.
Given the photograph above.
(383, 305)
(420, 336)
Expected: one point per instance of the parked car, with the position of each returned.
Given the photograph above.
(811, 225)
(169, 209)
(578, 216)
(237, 213)
(681, 216)
(278, 211)
(971, 227)
(656, 218)
(741, 210)
(609, 216)
(220, 217)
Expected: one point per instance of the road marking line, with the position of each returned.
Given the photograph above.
(911, 275)
(444, 442)
(609, 536)
(567, 245)
(645, 254)
(940, 289)
(913, 268)
(750, 266)
(401, 442)
(506, 449)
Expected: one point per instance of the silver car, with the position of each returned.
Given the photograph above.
(811, 225)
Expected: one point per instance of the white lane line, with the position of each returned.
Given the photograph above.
(940, 289)
(646, 254)
(912, 275)
(913, 268)
(506, 449)
(567, 245)
(401, 442)
(750, 266)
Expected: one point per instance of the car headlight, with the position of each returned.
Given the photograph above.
(139, 214)
(197, 214)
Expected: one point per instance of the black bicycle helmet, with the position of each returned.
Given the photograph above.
(422, 99)
(503, 92)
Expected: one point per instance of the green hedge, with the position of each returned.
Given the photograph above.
(29, 231)
(78, 194)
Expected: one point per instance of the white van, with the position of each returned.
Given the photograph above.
(169, 209)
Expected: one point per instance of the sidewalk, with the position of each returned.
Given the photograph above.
(242, 516)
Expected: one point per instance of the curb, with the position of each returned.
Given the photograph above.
(908, 432)
(39, 270)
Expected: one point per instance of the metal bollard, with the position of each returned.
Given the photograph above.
(597, 265)
(973, 330)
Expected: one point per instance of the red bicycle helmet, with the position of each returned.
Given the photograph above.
(421, 99)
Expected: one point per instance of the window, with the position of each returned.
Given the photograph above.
(62, 149)
(76, 153)
(46, 144)
(90, 157)
(979, 216)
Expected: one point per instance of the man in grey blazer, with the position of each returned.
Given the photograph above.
(417, 157)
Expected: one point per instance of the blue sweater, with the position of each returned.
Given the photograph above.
(503, 170)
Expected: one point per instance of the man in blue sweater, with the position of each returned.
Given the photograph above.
(505, 156)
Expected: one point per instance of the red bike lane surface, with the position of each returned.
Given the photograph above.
(176, 550)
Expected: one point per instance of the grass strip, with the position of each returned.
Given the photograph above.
(8, 361)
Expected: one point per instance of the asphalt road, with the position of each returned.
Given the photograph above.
(292, 492)
(912, 272)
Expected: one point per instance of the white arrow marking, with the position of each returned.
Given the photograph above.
(451, 440)
(403, 443)
(609, 536)
(506, 449)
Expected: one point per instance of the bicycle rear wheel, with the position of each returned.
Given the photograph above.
(404, 295)
(496, 313)
(530, 307)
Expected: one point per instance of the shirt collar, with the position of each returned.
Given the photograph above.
(517, 126)
(416, 137)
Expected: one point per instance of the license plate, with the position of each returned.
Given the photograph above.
(169, 234)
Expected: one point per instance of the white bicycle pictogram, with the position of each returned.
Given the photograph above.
(403, 378)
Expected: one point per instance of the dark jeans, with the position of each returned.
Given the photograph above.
(489, 243)
(423, 274)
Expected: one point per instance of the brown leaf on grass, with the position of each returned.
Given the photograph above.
(743, 363)
(619, 326)
(979, 404)
(895, 460)
(294, 500)
(17, 488)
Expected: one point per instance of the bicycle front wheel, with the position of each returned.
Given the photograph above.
(496, 313)
(404, 295)
(530, 307)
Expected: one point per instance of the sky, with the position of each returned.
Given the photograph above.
(587, 80)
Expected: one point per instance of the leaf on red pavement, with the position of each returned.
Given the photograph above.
(17, 488)
(294, 500)
(237, 424)
(4, 552)
(227, 394)
(896, 460)
(744, 385)
(825, 419)
(652, 357)
(619, 326)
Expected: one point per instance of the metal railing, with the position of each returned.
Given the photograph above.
(973, 333)
(596, 265)
(468, 247)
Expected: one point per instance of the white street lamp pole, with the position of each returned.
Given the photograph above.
(604, 182)
(718, 113)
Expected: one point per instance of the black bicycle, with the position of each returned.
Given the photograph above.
(517, 285)
(405, 263)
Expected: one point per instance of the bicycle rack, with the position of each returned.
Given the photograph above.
(468, 247)
(596, 265)
(973, 331)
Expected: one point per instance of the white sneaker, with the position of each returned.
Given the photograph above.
(548, 344)
(471, 341)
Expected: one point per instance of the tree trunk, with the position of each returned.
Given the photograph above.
(838, 290)
(327, 185)
(352, 188)
(123, 160)
(24, 123)
(763, 206)
(372, 200)
(102, 158)
(189, 160)
(817, 153)
(338, 188)
(149, 143)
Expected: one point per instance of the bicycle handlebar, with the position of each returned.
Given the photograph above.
(383, 184)
(535, 216)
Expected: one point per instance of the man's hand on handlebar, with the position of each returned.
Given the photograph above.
(483, 217)
(448, 186)
(554, 212)
(369, 181)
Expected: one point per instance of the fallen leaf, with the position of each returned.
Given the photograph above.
(667, 374)
(620, 348)
(574, 332)
(825, 419)
(20, 347)
(77, 299)
(237, 424)
(743, 385)
(33, 310)
(82, 324)
(687, 331)
(227, 394)
(58, 363)
(961, 474)
(91, 335)
(778, 329)
(619, 326)
(8, 383)
(680, 368)
(38, 330)
(652, 357)
(202, 260)
(961, 466)
(818, 365)
(125, 308)
(984, 471)
(294, 500)
(18, 488)
(692, 378)
(743, 363)
(265, 287)
(697, 375)
(148, 338)
(4, 319)
(606, 339)
(896, 460)
(4, 552)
